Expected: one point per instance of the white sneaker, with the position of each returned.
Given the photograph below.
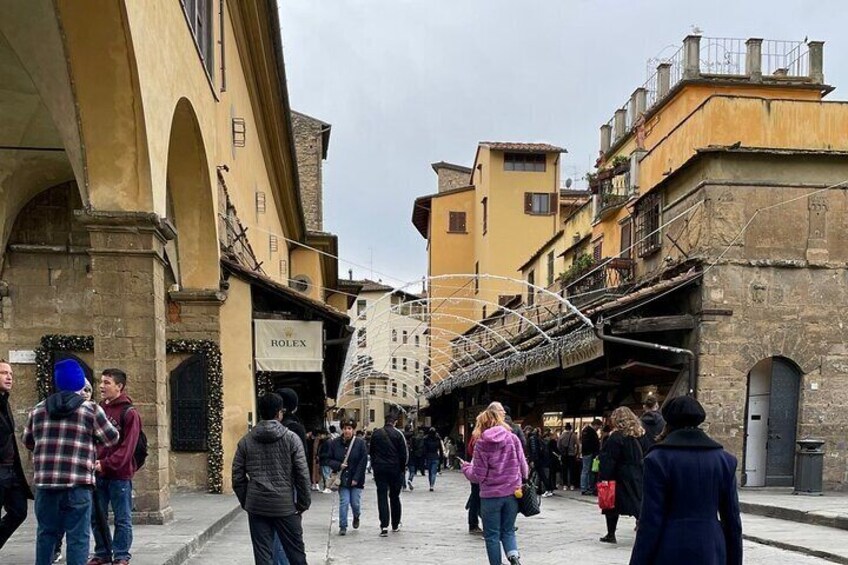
(547, 494)
(327, 491)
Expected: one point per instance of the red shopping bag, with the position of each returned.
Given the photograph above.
(606, 495)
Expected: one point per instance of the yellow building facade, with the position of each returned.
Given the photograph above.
(150, 181)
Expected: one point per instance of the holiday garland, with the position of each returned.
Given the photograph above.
(214, 374)
(44, 357)
(264, 384)
(215, 380)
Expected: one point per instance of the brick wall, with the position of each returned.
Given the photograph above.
(309, 148)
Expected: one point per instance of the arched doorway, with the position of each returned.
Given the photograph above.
(771, 422)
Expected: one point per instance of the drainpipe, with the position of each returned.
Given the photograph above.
(693, 371)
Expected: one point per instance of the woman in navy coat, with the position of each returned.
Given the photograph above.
(690, 507)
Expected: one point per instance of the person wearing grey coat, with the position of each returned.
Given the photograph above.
(271, 481)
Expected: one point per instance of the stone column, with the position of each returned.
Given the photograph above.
(606, 138)
(638, 102)
(663, 80)
(754, 59)
(619, 124)
(692, 57)
(127, 270)
(816, 61)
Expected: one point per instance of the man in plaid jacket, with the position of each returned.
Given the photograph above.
(62, 432)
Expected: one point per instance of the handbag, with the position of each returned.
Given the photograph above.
(336, 476)
(530, 503)
(606, 495)
(596, 464)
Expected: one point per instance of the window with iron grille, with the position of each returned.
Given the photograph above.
(648, 225)
(394, 388)
(199, 16)
(260, 202)
(456, 222)
(189, 402)
(533, 162)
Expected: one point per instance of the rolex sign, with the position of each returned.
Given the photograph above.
(290, 346)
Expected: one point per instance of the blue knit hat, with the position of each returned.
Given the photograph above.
(68, 375)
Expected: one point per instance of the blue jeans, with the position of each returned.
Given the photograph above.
(432, 471)
(116, 493)
(68, 511)
(587, 477)
(412, 469)
(325, 474)
(279, 554)
(349, 498)
(499, 526)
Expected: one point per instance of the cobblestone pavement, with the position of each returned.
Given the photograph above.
(434, 531)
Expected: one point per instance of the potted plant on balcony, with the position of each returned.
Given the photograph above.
(582, 263)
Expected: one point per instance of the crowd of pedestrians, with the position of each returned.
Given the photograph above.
(84, 457)
(86, 453)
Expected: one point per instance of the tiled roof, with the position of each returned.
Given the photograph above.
(523, 147)
(451, 166)
(373, 286)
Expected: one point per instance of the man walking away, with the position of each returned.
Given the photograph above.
(389, 457)
(433, 453)
(62, 432)
(652, 421)
(14, 490)
(271, 481)
(416, 459)
(569, 446)
(591, 445)
(115, 468)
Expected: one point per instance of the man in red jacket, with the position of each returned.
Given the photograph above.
(115, 468)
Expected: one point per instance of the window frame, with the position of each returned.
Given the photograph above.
(204, 45)
(525, 162)
(648, 229)
(457, 222)
(532, 198)
(551, 261)
(531, 291)
(361, 307)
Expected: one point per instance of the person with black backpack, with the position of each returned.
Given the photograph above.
(115, 468)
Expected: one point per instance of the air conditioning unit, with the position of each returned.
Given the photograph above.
(301, 283)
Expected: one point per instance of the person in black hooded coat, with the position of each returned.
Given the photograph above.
(652, 421)
(679, 523)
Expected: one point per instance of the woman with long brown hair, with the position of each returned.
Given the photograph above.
(621, 461)
(499, 467)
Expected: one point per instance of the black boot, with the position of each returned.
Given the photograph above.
(609, 538)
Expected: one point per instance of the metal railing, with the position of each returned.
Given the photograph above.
(789, 58)
(608, 275)
(723, 56)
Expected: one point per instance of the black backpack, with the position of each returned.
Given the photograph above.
(140, 453)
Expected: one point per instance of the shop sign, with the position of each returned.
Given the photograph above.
(289, 346)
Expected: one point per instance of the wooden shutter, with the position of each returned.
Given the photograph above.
(189, 401)
(528, 202)
(627, 238)
(554, 203)
(462, 226)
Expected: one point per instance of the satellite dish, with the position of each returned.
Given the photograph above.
(568, 183)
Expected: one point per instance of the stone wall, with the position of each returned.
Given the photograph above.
(309, 148)
(450, 178)
(47, 285)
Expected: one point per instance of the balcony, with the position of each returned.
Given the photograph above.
(612, 188)
(606, 278)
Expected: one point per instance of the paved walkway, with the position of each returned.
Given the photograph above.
(197, 517)
(434, 531)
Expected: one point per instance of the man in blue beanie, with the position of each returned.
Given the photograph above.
(62, 432)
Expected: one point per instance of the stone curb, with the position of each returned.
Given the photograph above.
(184, 553)
(797, 549)
(839, 521)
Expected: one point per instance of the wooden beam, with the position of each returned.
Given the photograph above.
(655, 324)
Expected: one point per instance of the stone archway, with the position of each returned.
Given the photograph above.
(190, 192)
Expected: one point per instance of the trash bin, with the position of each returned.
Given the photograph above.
(809, 466)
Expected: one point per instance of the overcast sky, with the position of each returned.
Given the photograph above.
(406, 83)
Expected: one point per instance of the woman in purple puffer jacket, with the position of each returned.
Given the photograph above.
(499, 467)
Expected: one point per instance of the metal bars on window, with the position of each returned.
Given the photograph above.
(648, 225)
